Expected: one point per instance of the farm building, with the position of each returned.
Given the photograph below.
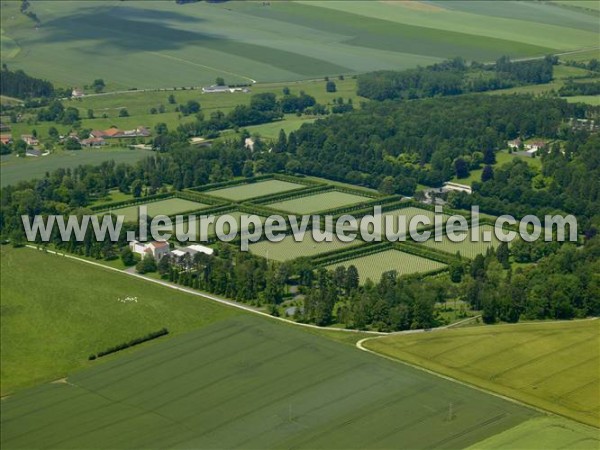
(154, 248)
(515, 143)
(6, 139)
(77, 93)
(114, 133)
(29, 139)
(192, 250)
(93, 142)
(214, 89)
(449, 186)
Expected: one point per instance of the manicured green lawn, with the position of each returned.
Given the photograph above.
(247, 191)
(165, 207)
(289, 248)
(468, 248)
(374, 265)
(553, 366)
(250, 382)
(318, 202)
(56, 312)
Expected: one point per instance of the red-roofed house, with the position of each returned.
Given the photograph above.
(6, 139)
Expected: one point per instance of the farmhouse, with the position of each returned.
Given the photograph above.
(534, 146)
(114, 133)
(77, 93)
(155, 248)
(29, 139)
(93, 142)
(515, 143)
(6, 139)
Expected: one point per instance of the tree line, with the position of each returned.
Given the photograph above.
(454, 77)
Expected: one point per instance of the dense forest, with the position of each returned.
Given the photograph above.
(20, 85)
(408, 141)
(454, 77)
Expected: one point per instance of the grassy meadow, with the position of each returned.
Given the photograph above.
(374, 265)
(553, 366)
(249, 382)
(14, 169)
(50, 328)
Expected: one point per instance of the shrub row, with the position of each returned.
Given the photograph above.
(230, 183)
(137, 341)
(425, 252)
(290, 195)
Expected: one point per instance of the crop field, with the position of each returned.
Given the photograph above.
(374, 265)
(542, 433)
(191, 45)
(289, 248)
(467, 248)
(50, 326)
(247, 191)
(165, 207)
(253, 383)
(553, 365)
(13, 169)
(318, 202)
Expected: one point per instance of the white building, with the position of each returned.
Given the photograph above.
(154, 248)
(192, 250)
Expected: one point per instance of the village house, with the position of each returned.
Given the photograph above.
(77, 93)
(155, 248)
(534, 146)
(30, 139)
(6, 139)
(515, 144)
(93, 142)
(115, 133)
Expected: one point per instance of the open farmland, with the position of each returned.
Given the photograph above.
(165, 207)
(253, 383)
(323, 201)
(374, 265)
(289, 248)
(49, 328)
(13, 169)
(191, 45)
(467, 248)
(542, 433)
(247, 191)
(550, 365)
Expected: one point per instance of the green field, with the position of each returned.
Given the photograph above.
(191, 45)
(289, 248)
(13, 169)
(467, 248)
(374, 265)
(250, 382)
(543, 433)
(589, 99)
(410, 213)
(51, 325)
(553, 366)
(243, 192)
(318, 202)
(167, 207)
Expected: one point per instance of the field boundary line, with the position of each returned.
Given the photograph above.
(359, 345)
(205, 295)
